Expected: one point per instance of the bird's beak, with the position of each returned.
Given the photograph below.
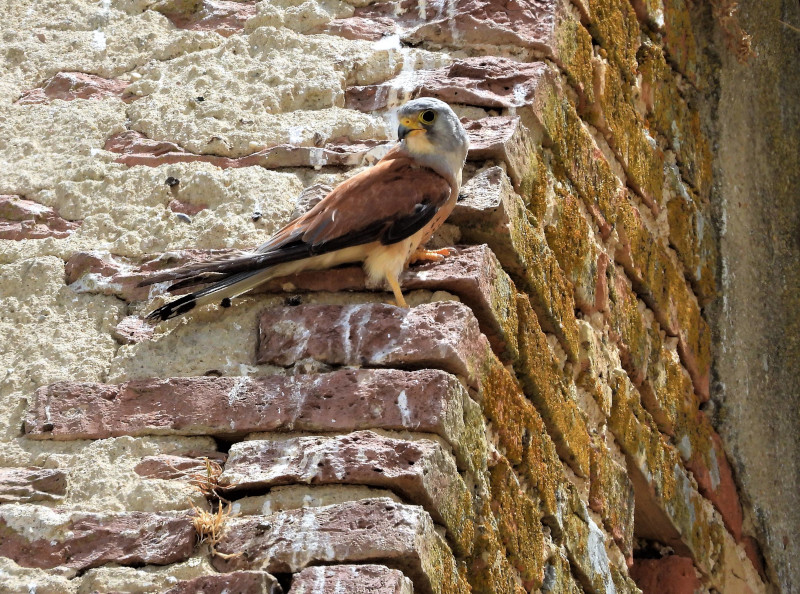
(407, 126)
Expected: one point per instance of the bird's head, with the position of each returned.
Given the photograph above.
(431, 133)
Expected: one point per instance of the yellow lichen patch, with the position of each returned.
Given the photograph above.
(615, 27)
(611, 496)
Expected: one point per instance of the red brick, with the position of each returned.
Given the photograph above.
(420, 471)
(170, 466)
(25, 219)
(369, 530)
(348, 400)
(221, 16)
(68, 86)
(668, 575)
(351, 579)
(136, 149)
(21, 485)
(46, 538)
(443, 335)
(238, 582)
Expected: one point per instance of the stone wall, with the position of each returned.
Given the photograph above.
(537, 421)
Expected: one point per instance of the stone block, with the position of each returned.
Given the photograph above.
(420, 471)
(570, 237)
(220, 16)
(443, 335)
(670, 114)
(614, 114)
(519, 525)
(25, 219)
(542, 382)
(650, 13)
(628, 328)
(522, 249)
(353, 579)
(427, 401)
(34, 536)
(680, 42)
(366, 531)
(173, 467)
(240, 582)
(68, 86)
(611, 496)
(586, 549)
(22, 485)
(668, 575)
(615, 27)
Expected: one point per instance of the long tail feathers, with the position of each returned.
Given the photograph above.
(219, 292)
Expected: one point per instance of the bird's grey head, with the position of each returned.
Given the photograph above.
(432, 134)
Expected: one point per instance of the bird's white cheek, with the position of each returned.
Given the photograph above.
(419, 144)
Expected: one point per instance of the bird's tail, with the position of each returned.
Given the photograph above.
(220, 292)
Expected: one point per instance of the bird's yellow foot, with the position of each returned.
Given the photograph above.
(423, 255)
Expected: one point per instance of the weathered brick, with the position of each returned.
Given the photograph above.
(569, 235)
(443, 335)
(21, 485)
(541, 380)
(171, 467)
(668, 575)
(525, 440)
(585, 545)
(668, 508)
(693, 237)
(661, 285)
(679, 40)
(348, 400)
(68, 86)
(353, 579)
(504, 139)
(559, 578)
(25, 219)
(615, 116)
(611, 496)
(519, 525)
(221, 16)
(420, 471)
(41, 537)
(136, 149)
(669, 113)
(241, 582)
(628, 328)
(522, 249)
(616, 29)
(650, 13)
(668, 389)
(370, 530)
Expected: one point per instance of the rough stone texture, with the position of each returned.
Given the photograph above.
(45, 538)
(170, 466)
(668, 575)
(441, 335)
(221, 16)
(371, 530)
(21, 485)
(241, 582)
(611, 495)
(420, 471)
(25, 219)
(355, 579)
(69, 86)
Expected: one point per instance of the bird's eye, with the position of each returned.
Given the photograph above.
(427, 116)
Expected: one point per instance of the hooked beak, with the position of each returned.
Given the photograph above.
(407, 126)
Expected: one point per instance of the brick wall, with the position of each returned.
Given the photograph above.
(534, 423)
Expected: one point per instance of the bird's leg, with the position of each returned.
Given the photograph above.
(398, 293)
(423, 255)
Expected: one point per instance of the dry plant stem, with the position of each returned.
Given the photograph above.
(737, 40)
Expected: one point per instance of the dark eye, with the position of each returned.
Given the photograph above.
(427, 116)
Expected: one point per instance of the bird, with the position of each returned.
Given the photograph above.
(381, 217)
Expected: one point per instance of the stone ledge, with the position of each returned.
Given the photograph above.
(350, 579)
(420, 471)
(238, 582)
(45, 538)
(348, 400)
(21, 485)
(371, 530)
(443, 335)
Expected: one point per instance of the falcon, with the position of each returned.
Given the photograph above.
(382, 217)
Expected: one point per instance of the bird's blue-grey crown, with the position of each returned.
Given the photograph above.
(431, 131)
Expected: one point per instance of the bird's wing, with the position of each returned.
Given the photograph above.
(386, 203)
